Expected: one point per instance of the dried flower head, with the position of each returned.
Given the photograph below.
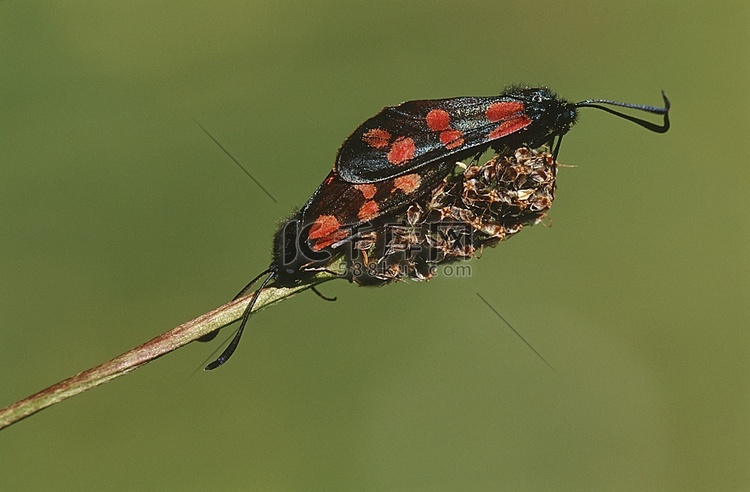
(469, 210)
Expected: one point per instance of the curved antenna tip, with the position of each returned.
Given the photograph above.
(667, 104)
(597, 103)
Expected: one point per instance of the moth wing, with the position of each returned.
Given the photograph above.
(402, 139)
(338, 208)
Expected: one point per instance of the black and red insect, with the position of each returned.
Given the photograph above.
(399, 155)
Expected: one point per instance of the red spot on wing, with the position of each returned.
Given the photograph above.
(368, 211)
(509, 126)
(377, 138)
(367, 190)
(438, 120)
(325, 231)
(503, 110)
(451, 138)
(324, 225)
(402, 151)
(326, 241)
(407, 183)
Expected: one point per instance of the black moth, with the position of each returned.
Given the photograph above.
(395, 201)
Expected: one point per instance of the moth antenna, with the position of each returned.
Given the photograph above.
(210, 336)
(245, 316)
(250, 284)
(597, 103)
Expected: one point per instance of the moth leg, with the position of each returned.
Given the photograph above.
(319, 294)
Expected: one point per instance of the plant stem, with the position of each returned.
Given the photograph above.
(144, 353)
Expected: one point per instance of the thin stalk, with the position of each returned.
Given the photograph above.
(146, 352)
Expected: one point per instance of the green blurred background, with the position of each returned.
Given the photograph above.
(120, 219)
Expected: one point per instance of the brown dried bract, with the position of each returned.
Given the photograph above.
(469, 210)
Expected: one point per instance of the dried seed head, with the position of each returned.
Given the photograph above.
(467, 211)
